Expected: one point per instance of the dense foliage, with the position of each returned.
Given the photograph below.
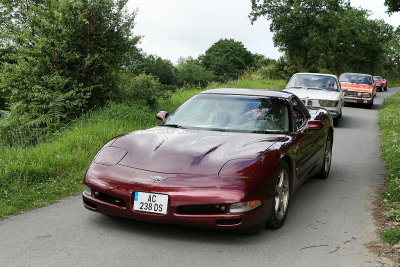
(64, 60)
(393, 5)
(191, 72)
(325, 35)
(227, 59)
(163, 69)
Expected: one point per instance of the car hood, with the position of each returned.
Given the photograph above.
(314, 94)
(170, 150)
(357, 87)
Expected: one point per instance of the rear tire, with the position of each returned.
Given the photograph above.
(280, 203)
(326, 166)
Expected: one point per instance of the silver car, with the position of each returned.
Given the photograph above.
(318, 90)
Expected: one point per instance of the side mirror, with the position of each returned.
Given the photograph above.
(162, 115)
(314, 125)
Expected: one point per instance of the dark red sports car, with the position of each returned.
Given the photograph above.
(226, 158)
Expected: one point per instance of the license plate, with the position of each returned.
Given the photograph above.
(350, 100)
(149, 202)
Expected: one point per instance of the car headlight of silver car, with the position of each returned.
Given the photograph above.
(366, 94)
(328, 103)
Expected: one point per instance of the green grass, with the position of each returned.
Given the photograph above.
(395, 84)
(250, 83)
(389, 122)
(32, 177)
(392, 236)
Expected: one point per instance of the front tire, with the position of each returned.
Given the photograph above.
(326, 166)
(280, 203)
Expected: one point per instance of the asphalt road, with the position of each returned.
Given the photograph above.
(328, 223)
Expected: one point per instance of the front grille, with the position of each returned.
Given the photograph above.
(351, 93)
(199, 209)
(109, 199)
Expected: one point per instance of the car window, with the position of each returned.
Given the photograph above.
(299, 116)
(356, 78)
(232, 113)
(313, 81)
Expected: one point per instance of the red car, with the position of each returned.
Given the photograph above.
(380, 83)
(385, 84)
(226, 158)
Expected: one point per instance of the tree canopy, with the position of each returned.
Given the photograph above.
(227, 59)
(393, 5)
(324, 34)
(64, 60)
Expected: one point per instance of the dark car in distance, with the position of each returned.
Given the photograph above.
(226, 158)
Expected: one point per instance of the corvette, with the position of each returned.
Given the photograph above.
(226, 158)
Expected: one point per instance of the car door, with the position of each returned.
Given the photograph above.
(306, 144)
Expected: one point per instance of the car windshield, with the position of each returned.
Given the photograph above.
(378, 78)
(311, 81)
(355, 78)
(232, 113)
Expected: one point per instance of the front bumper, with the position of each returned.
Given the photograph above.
(358, 100)
(224, 220)
(112, 197)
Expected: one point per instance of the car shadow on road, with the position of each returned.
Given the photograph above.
(174, 232)
(349, 121)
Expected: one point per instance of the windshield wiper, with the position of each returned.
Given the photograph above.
(297, 87)
(173, 126)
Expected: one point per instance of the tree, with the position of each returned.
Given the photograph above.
(190, 72)
(66, 57)
(327, 35)
(153, 65)
(227, 59)
(393, 5)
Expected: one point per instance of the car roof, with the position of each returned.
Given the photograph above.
(362, 74)
(250, 92)
(320, 74)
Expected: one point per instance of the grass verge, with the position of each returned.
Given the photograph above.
(32, 177)
(389, 122)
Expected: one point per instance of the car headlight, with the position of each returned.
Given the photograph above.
(328, 103)
(241, 207)
(240, 167)
(87, 191)
(110, 155)
(366, 94)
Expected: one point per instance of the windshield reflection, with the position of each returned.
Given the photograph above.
(310, 81)
(232, 113)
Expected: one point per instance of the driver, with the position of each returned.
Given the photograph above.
(272, 118)
(329, 84)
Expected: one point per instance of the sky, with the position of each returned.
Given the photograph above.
(181, 28)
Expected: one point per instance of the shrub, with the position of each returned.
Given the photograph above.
(190, 72)
(146, 88)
